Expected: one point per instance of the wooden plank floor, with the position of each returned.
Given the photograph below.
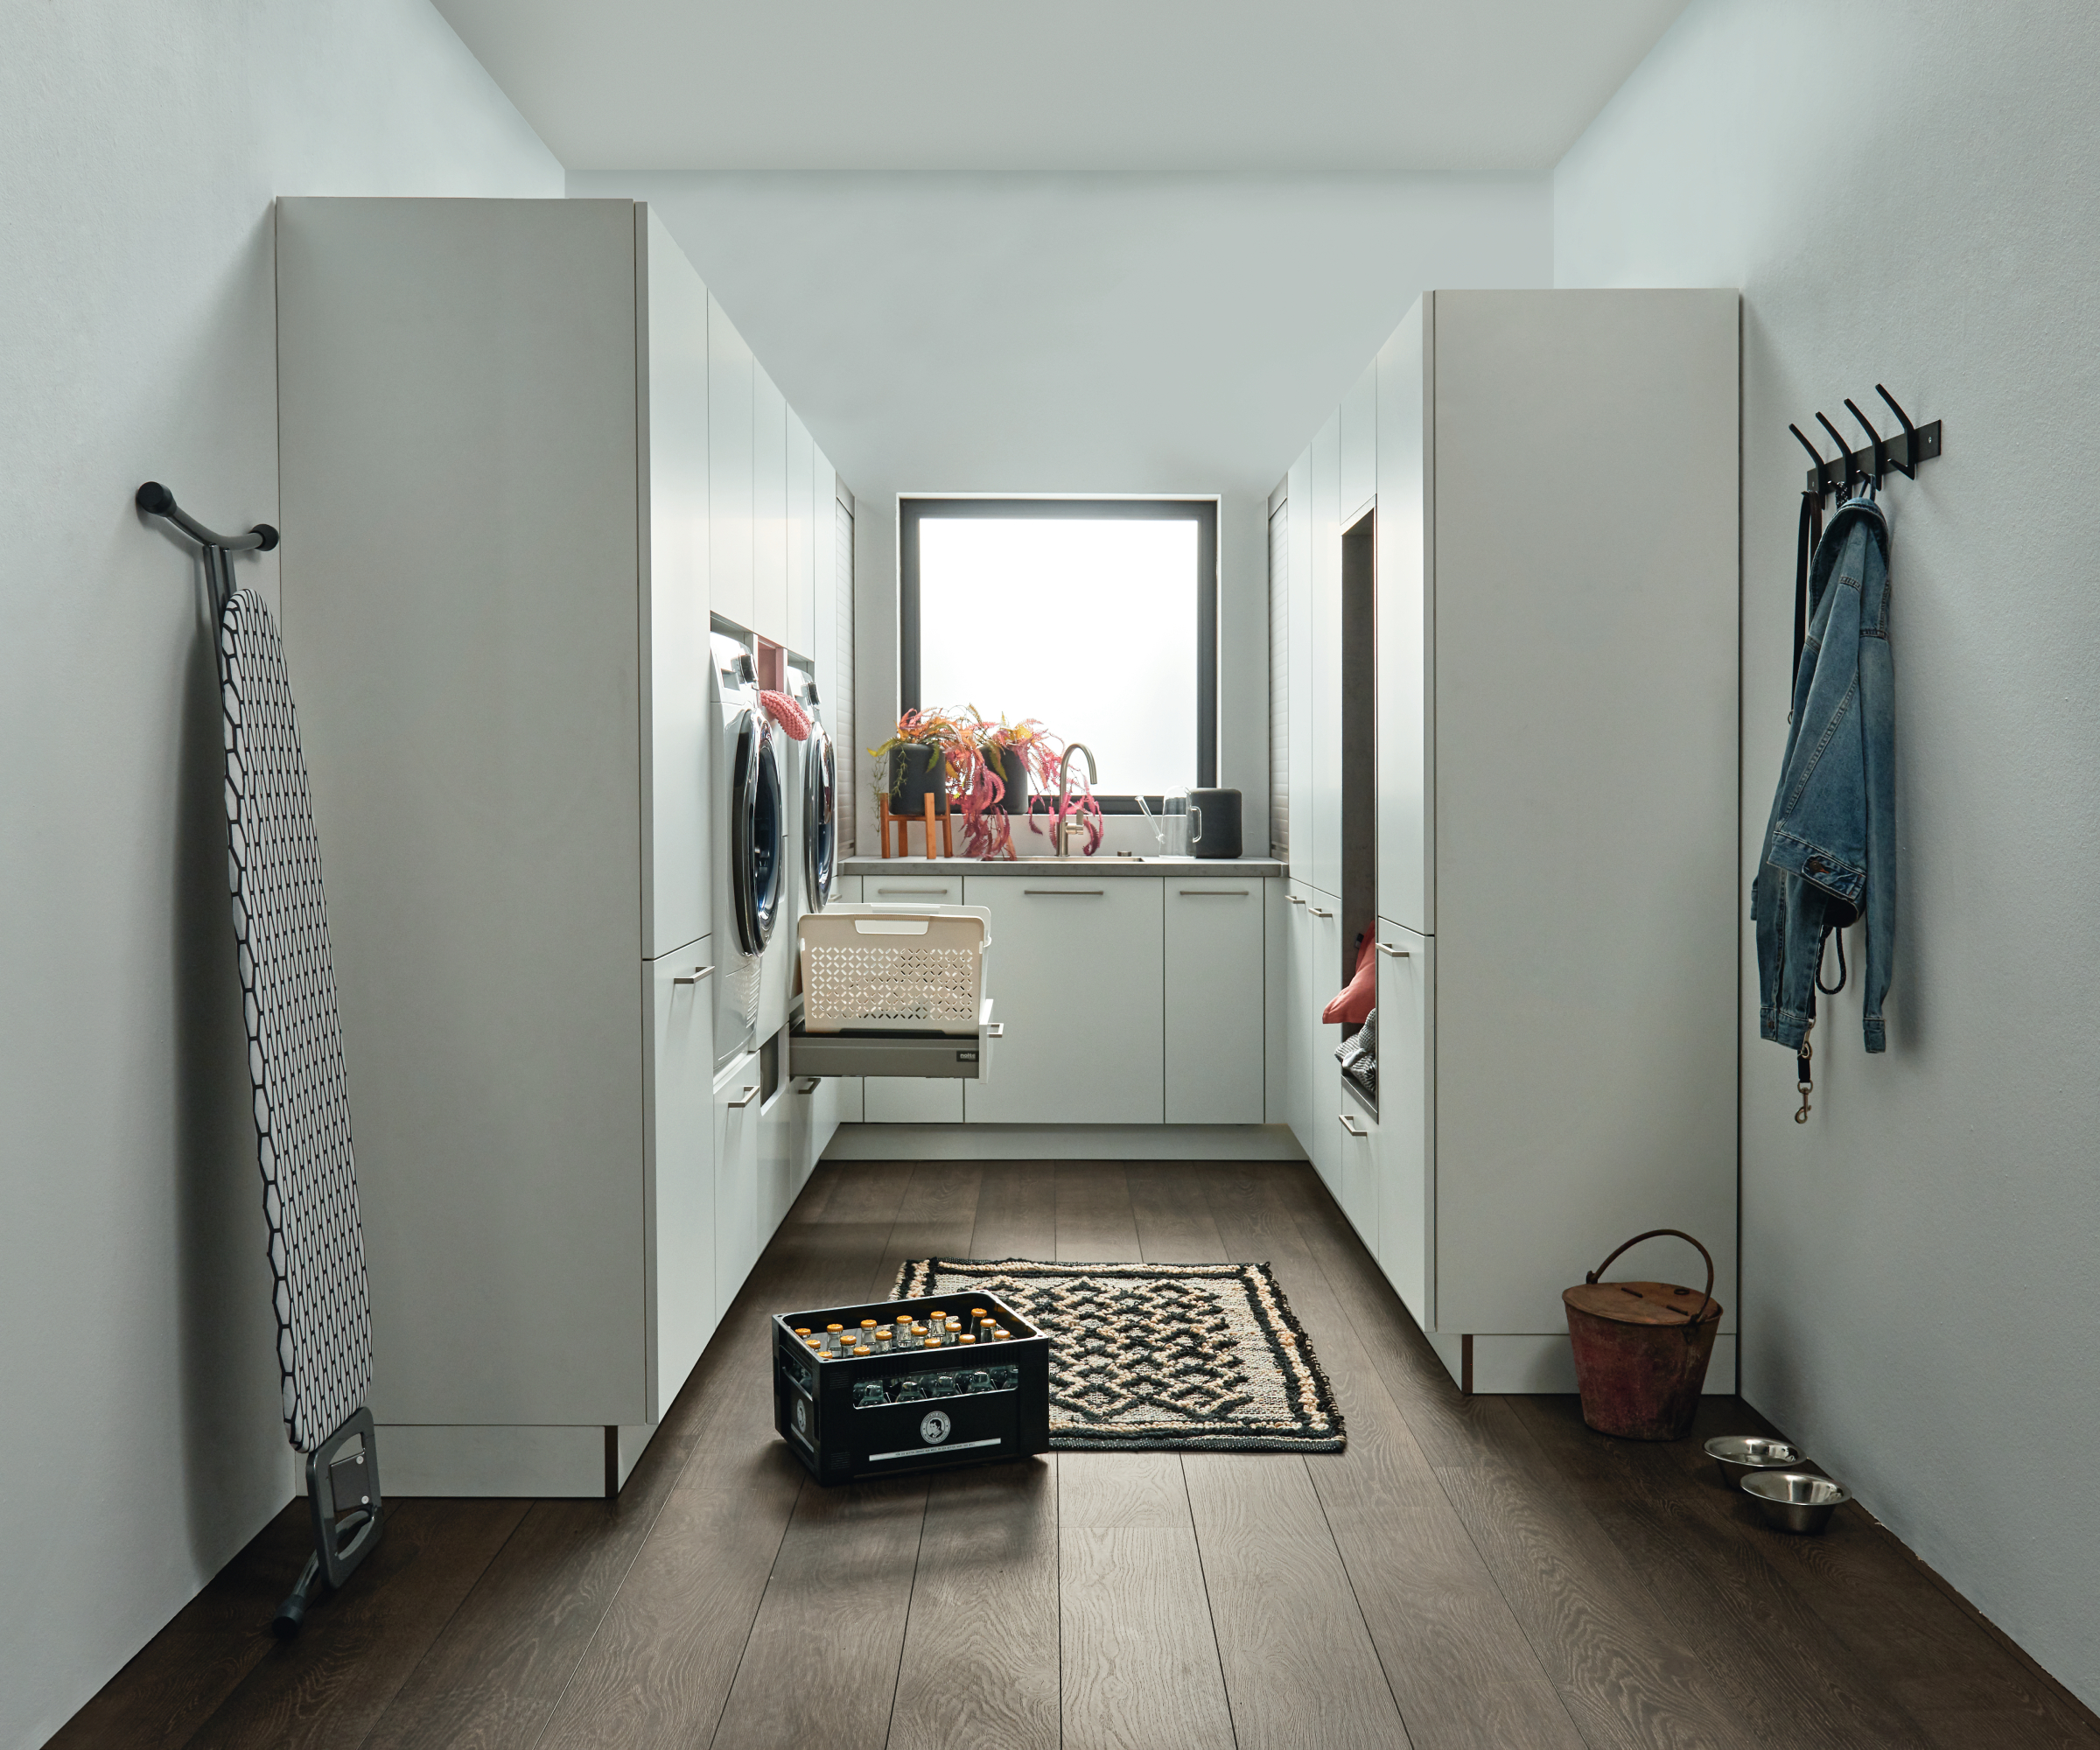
(1470, 1572)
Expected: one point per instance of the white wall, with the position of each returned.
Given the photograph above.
(141, 143)
(1036, 334)
(1909, 194)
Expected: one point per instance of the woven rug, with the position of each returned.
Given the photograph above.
(1202, 1357)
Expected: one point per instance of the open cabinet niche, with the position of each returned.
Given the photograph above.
(1357, 665)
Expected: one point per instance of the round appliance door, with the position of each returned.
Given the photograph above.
(820, 816)
(754, 852)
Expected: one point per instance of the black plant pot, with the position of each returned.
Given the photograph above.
(1014, 773)
(917, 770)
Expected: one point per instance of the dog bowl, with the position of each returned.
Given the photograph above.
(1794, 1501)
(1740, 1455)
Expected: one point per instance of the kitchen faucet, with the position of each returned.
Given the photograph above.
(1064, 786)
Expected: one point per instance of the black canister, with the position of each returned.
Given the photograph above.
(1213, 823)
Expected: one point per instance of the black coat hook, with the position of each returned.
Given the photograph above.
(1908, 466)
(1874, 438)
(1820, 468)
(1844, 450)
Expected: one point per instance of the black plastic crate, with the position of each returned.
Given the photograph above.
(859, 1418)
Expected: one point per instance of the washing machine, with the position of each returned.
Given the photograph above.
(751, 871)
(819, 796)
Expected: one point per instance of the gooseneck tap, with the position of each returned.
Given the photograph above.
(1064, 786)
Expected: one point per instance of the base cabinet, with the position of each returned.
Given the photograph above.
(1355, 1183)
(1404, 1117)
(681, 1148)
(1213, 1050)
(737, 1126)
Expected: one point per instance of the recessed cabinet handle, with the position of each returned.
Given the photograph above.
(1397, 953)
(692, 978)
(997, 1030)
(1214, 892)
(745, 1098)
(809, 1084)
(1315, 911)
(1067, 892)
(1351, 1126)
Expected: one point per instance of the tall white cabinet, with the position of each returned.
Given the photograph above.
(520, 471)
(1555, 901)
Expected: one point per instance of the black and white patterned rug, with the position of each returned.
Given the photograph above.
(1202, 1357)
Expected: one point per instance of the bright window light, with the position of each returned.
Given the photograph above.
(1091, 625)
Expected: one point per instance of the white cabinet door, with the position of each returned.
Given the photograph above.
(675, 599)
(1299, 543)
(1405, 1114)
(1355, 1183)
(816, 1104)
(1076, 970)
(1213, 1001)
(911, 1100)
(681, 1263)
(802, 554)
(1359, 456)
(768, 507)
(1316, 1077)
(1326, 867)
(729, 379)
(778, 1120)
(736, 1178)
(823, 601)
(1405, 891)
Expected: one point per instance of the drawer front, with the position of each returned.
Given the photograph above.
(1405, 1140)
(906, 889)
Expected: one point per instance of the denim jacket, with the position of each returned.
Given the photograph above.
(1829, 854)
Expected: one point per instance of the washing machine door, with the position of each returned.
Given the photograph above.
(820, 816)
(756, 809)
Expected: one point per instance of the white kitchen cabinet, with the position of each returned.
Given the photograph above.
(1357, 458)
(678, 1101)
(1314, 934)
(1355, 1184)
(495, 433)
(849, 1094)
(1076, 971)
(768, 507)
(1215, 1011)
(1325, 867)
(1299, 543)
(1406, 1118)
(905, 888)
(1549, 694)
(814, 1111)
(782, 1128)
(911, 1100)
(823, 607)
(801, 552)
(1406, 515)
(730, 372)
(737, 1119)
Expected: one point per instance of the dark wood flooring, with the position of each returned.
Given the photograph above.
(1470, 1572)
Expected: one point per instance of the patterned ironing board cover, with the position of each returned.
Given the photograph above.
(295, 1045)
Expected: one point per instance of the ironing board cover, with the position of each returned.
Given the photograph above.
(295, 1045)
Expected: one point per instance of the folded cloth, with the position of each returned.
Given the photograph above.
(792, 718)
(1360, 995)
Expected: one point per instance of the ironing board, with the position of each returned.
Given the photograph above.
(302, 1107)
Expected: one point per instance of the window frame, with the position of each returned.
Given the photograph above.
(1203, 512)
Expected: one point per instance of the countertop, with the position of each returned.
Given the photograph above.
(1216, 868)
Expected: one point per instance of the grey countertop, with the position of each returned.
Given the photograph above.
(1214, 867)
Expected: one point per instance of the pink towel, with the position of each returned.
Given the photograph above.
(791, 717)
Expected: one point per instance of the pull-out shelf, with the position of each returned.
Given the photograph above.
(952, 1055)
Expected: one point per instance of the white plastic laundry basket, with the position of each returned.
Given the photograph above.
(893, 969)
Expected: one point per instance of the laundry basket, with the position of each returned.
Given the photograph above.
(882, 969)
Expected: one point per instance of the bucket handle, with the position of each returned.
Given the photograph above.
(1706, 1299)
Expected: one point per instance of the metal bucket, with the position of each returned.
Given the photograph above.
(1642, 1348)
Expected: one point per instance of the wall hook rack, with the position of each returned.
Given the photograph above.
(1902, 453)
(157, 501)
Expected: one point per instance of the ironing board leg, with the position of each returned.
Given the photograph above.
(343, 1496)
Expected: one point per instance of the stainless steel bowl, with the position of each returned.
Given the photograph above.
(1794, 1501)
(1741, 1455)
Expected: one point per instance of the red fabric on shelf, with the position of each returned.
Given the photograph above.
(1360, 995)
(792, 718)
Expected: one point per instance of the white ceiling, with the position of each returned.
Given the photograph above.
(1090, 84)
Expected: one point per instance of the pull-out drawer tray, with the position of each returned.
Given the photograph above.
(955, 1056)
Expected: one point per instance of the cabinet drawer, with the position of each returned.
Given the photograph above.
(907, 889)
(1406, 1215)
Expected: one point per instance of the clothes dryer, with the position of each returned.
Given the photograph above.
(819, 792)
(749, 870)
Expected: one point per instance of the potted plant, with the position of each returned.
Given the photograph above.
(930, 749)
(982, 768)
